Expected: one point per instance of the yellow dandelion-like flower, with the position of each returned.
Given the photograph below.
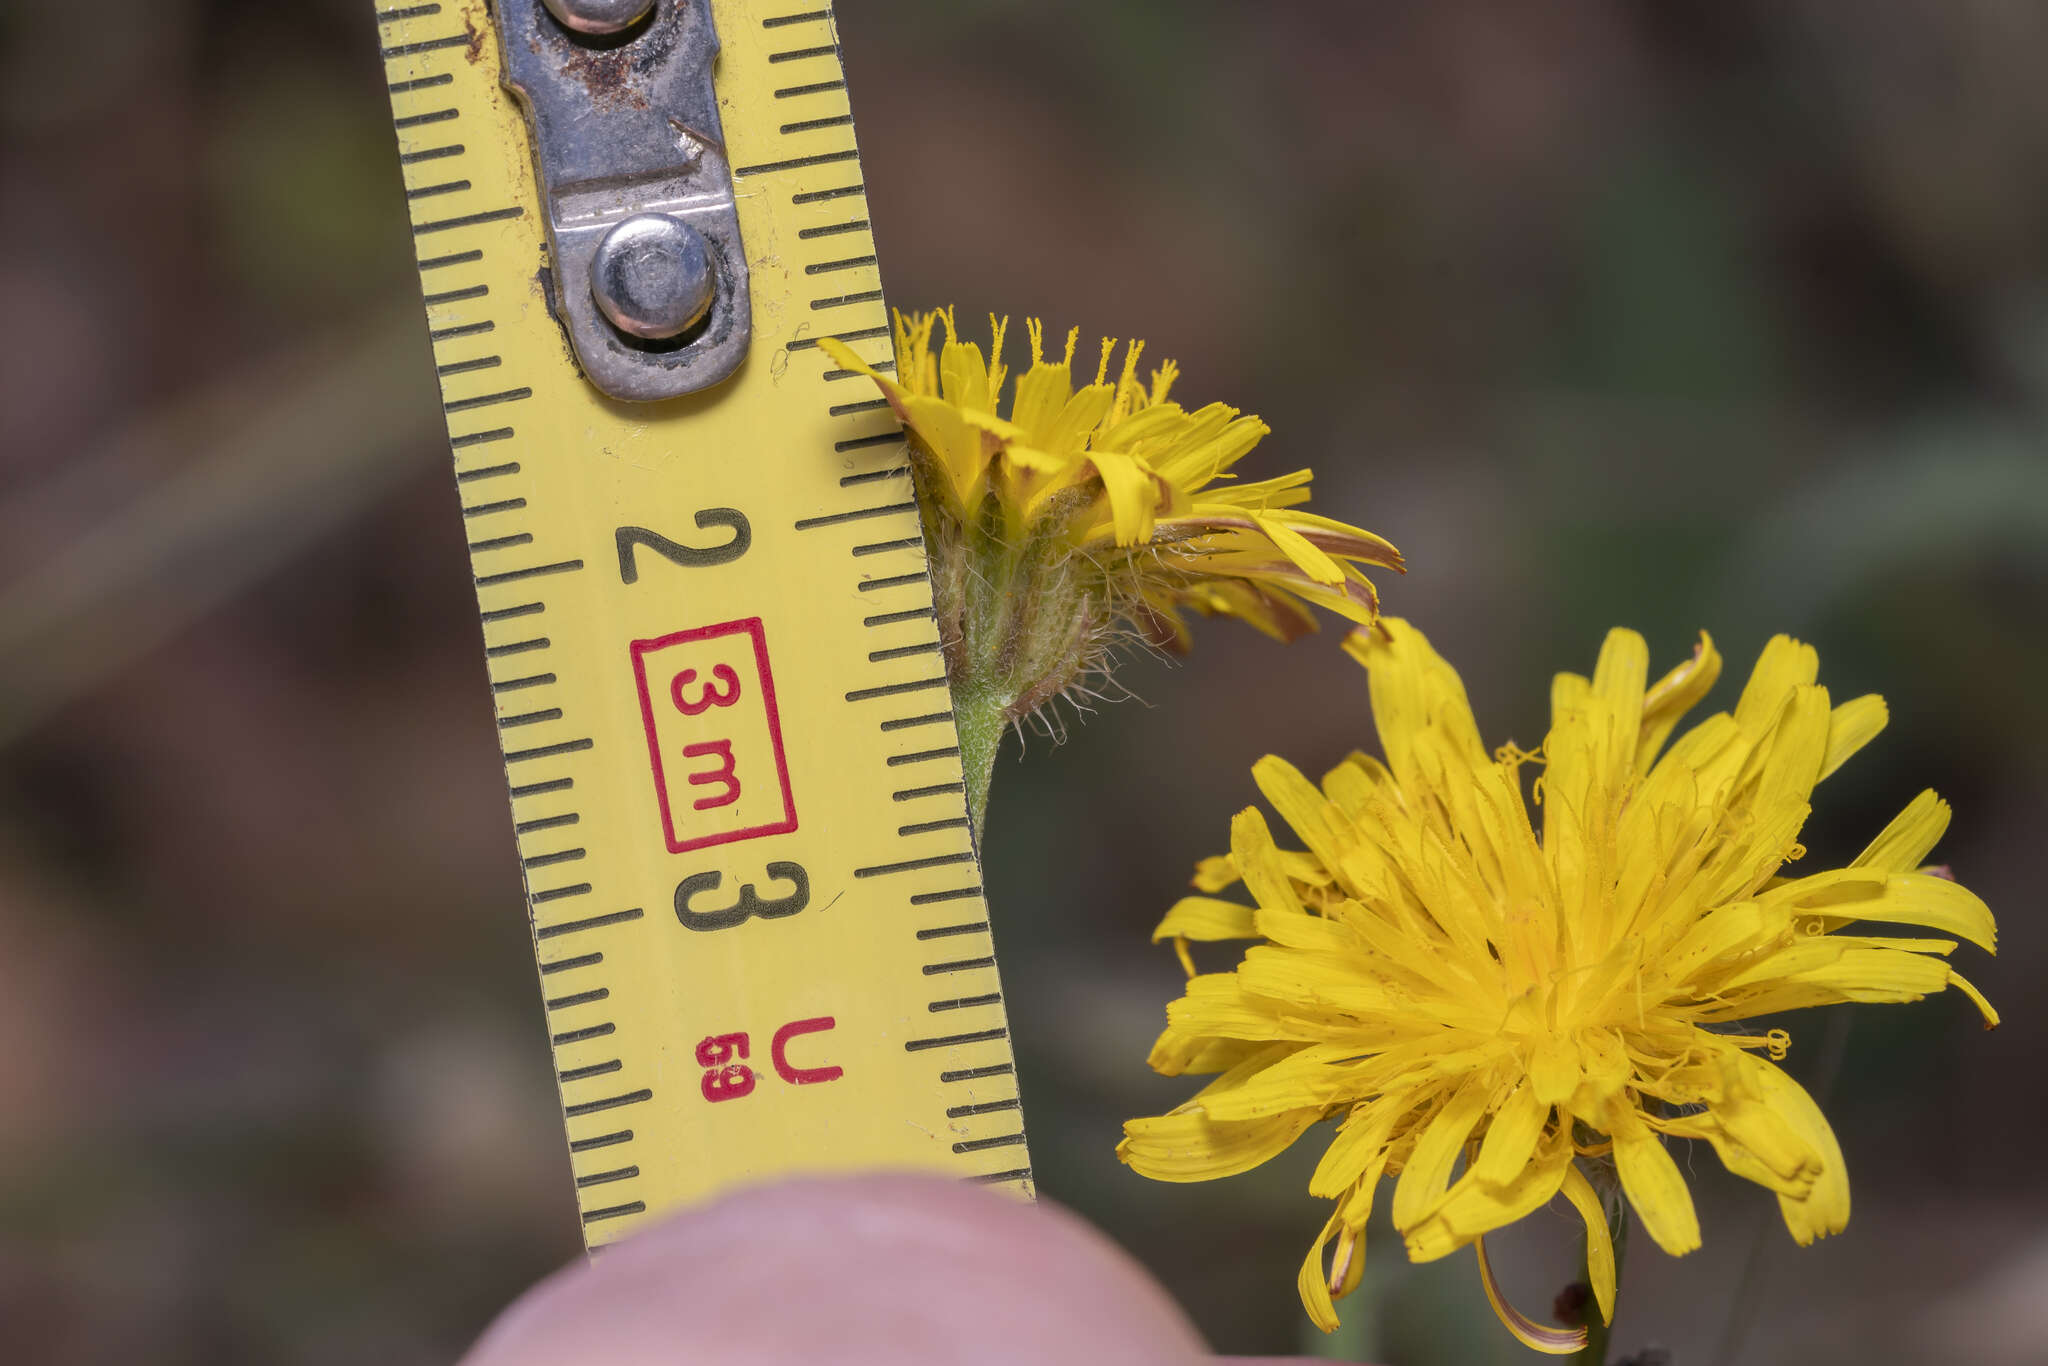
(1117, 472)
(1081, 516)
(1451, 980)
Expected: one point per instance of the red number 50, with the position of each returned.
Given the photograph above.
(724, 1079)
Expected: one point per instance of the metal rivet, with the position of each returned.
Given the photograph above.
(599, 16)
(651, 276)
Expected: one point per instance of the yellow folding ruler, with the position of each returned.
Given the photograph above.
(736, 786)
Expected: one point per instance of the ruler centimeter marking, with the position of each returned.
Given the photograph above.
(755, 902)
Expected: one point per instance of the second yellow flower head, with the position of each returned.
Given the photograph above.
(1489, 1003)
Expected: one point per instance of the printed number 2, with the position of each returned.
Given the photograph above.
(688, 556)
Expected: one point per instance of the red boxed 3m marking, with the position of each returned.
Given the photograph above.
(707, 697)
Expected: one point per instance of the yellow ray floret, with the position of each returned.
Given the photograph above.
(1490, 1005)
(1115, 471)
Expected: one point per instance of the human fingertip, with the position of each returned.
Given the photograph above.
(860, 1271)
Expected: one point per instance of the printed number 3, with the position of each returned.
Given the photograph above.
(748, 904)
(711, 696)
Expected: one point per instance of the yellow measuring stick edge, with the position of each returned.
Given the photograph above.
(755, 903)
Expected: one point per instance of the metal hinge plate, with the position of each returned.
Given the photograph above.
(649, 275)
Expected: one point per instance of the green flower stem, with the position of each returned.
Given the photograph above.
(983, 692)
(1017, 623)
(981, 708)
(1598, 1330)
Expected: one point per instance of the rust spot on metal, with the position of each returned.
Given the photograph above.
(608, 77)
(613, 69)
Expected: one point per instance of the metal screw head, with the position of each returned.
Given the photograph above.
(652, 276)
(599, 16)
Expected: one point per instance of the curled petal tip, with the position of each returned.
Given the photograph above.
(1538, 1337)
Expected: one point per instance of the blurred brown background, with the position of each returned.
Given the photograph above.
(1724, 313)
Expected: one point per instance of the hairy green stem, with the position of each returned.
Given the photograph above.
(1018, 625)
(983, 692)
(981, 710)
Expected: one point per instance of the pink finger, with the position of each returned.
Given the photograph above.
(894, 1269)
